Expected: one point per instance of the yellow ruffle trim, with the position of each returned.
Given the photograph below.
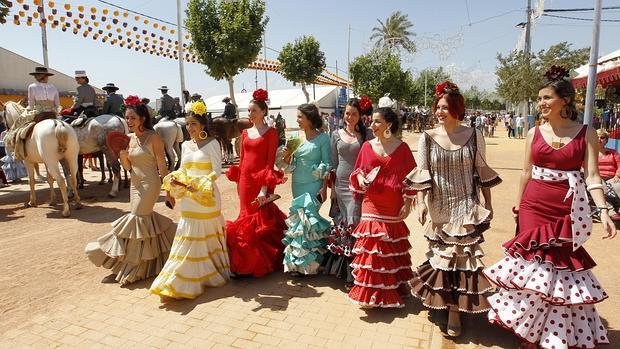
(199, 188)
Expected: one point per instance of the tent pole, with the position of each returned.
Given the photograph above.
(591, 87)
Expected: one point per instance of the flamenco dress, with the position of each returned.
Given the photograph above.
(548, 291)
(305, 240)
(382, 264)
(198, 258)
(139, 243)
(255, 238)
(452, 275)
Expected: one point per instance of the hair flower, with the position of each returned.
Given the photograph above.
(555, 73)
(446, 87)
(260, 95)
(199, 108)
(132, 101)
(365, 104)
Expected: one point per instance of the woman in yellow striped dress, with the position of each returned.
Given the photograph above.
(198, 257)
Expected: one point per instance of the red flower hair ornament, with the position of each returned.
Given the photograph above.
(556, 73)
(260, 95)
(365, 104)
(445, 88)
(132, 101)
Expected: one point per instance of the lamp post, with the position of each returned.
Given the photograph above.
(591, 87)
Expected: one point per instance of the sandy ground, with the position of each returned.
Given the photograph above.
(44, 266)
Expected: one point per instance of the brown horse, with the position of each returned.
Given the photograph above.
(225, 130)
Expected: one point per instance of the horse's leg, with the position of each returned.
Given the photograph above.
(177, 151)
(170, 155)
(126, 179)
(31, 182)
(72, 164)
(102, 166)
(116, 174)
(50, 181)
(54, 170)
(80, 172)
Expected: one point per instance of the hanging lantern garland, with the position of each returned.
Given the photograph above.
(117, 28)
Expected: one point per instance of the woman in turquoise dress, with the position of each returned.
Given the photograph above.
(305, 240)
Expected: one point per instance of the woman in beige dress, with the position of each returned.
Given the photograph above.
(139, 243)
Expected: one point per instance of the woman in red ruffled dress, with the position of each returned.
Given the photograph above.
(382, 264)
(548, 291)
(255, 238)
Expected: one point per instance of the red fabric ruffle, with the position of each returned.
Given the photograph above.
(381, 248)
(371, 297)
(381, 265)
(233, 173)
(381, 230)
(550, 243)
(255, 241)
(268, 177)
(371, 279)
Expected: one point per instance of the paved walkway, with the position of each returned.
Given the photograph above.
(52, 296)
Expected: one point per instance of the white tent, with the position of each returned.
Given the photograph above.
(15, 78)
(284, 102)
(607, 72)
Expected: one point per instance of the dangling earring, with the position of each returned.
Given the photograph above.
(203, 135)
(141, 128)
(565, 113)
(387, 133)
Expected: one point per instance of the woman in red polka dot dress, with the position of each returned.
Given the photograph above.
(548, 290)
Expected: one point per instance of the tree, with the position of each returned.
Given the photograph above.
(520, 74)
(379, 72)
(394, 34)
(226, 35)
(4, 10)
(302, 61)
(430, 78)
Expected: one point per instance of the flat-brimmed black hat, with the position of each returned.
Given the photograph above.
(196, 95)
(41, 71)
(226, 99)
(110, 86)
(163, 88)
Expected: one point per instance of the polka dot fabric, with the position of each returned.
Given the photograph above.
(580, 210)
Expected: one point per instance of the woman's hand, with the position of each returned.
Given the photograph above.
(515, 214)
(261, 198)
(422, 212)
(286, 155)
(405, 210)
(609, 228)
(361, 181)
(123, 155)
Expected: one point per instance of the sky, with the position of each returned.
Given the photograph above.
(464, 36)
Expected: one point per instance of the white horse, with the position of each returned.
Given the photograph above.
(51, 141)
(92, 139)
(171, 133)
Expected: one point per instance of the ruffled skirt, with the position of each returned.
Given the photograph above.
(12, 168)
(382, 264)
(255, 241)
(547, 292)
(198, 259)
(306, 237)
(452, 275)
(340, 243)
(136, 248)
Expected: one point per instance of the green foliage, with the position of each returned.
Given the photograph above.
(481, 100)
(432, 77)
(302, 61)
(394, 34)
(379, 72)
(4, 10)
(520, 74)
(226, 35)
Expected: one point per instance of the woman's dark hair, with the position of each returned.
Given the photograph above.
(261, 104)
(142, 112)
(312, 114)
(202, 119)
(564, 89)
(389, 116)
(360, 126)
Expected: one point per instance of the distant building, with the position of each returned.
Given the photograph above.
(15, 78)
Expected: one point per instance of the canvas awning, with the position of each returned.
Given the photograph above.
(608, 71)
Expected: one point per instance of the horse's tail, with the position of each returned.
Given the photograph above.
(62, 135)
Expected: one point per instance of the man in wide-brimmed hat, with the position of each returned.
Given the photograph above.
(230, 110)
(196, 97)
(166, 109)
(113, 101)
(86, 101)
(43, 103)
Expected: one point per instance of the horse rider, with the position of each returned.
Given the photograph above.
(113, 101)
(86, 101)
(166, 109)
(179, 112)
(230, 110)
(43, 103)
(196, 97)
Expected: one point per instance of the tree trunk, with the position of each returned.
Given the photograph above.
(303, 88)
(231, 90)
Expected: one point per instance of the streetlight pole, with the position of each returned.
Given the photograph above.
(265, 57)
(425, 78)
(44, 35)
(590, 89)
(349, 60)
(180, 50)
